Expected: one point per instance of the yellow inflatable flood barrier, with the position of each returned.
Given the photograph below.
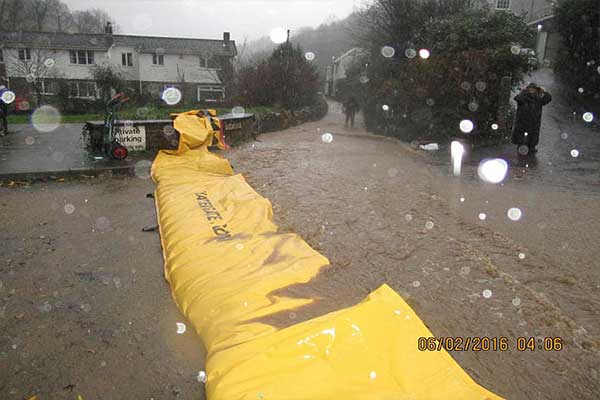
(224, 258)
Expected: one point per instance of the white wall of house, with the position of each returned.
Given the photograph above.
(114, 57)
(62, 64)
(175, 68)
(531, 8)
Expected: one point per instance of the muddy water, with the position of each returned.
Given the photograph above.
(380, 214)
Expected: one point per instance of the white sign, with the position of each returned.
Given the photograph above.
(132, 137)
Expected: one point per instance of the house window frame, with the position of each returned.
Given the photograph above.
(503, 5)
(45, 84)
(158, 60)
(127, 59)
(211, 89)
(78, 94)
(24, 54)
(82, 57)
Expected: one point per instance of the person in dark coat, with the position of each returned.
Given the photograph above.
(350, 108)
(530, 101)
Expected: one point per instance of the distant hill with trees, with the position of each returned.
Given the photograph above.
(50, 16)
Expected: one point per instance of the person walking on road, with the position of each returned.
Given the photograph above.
(350, 107)
(526, 131)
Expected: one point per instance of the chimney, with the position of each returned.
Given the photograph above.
(226, 38)
(108, 28)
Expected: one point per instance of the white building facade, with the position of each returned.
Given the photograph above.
(40, 63)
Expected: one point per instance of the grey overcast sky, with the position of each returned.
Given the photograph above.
(209, 19)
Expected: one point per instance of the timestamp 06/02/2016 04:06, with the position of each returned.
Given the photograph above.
(485, 343)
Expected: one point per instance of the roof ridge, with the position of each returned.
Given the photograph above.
(114, 35)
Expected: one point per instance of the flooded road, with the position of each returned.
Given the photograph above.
(382, 213)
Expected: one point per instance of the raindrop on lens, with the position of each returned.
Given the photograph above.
(29, 140)
(473, 106)
(481, 86)
(385, 107)
(69, 208)
(493, 171)
(430, 102)
(466, 86)
(487, 293)
(309, 56)
(168, 130)
(580, 90)
(466, 126)
(46, 119)
(388, 51)
(516, 302)
(202, 377)
(408, 217)
(327, 138)
(495, 127)
(574, 153)
(410, 53)
(49, 63)
(364, 79)
(30, 78)
(128, 124)
(429, 225)
(588, 117)
(171, 96)
(564, 135)
(373, 375)
(482, 216)
(416, 284)
(424, 54)
(522, 256)
(514, 214)
(515, 50)
(238, 111)
(278, 35)
(181, 328)
(523, 150)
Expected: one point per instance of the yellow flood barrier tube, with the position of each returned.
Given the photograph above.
(223, 260)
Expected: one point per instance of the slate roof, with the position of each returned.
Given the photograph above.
(102, 42)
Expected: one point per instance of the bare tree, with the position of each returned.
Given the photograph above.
(36, 68)
(92, 21)
(40, 12)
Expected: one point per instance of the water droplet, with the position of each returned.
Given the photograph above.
(462, 199)
(466, 126)
(429, 225)
(202, 376)
(487, 293)
(168, 130)
(416, 284)
(388, 51)
(424, 54)
(408, 217)
(385, 107)
(465, 270)
(30, 78)
(574, 153)
(466, 86)
(493, 171)
(564, 135)
(410, 53)
(364, 79)
(238, 111)
(117, 282)
(588, 117)
(278, 35)
(481, 86)
(516, 302)
(327, 138)
(523, 150)
(142, 112)
(103, 364)
(49, 63)
(514, 214)
(430, 102)
(516, 50)
(142, 169)
(482, 216)
(373, 375)
(580, 90)
(239, 246)
(69, 208)
(309, 56)
(473, 106)
(46, 119)
(46, 307)
(181, 328)
(8, 97)
(86, 307)
(522, 256)
(495, 127)
(171, 96)
(292, 315)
